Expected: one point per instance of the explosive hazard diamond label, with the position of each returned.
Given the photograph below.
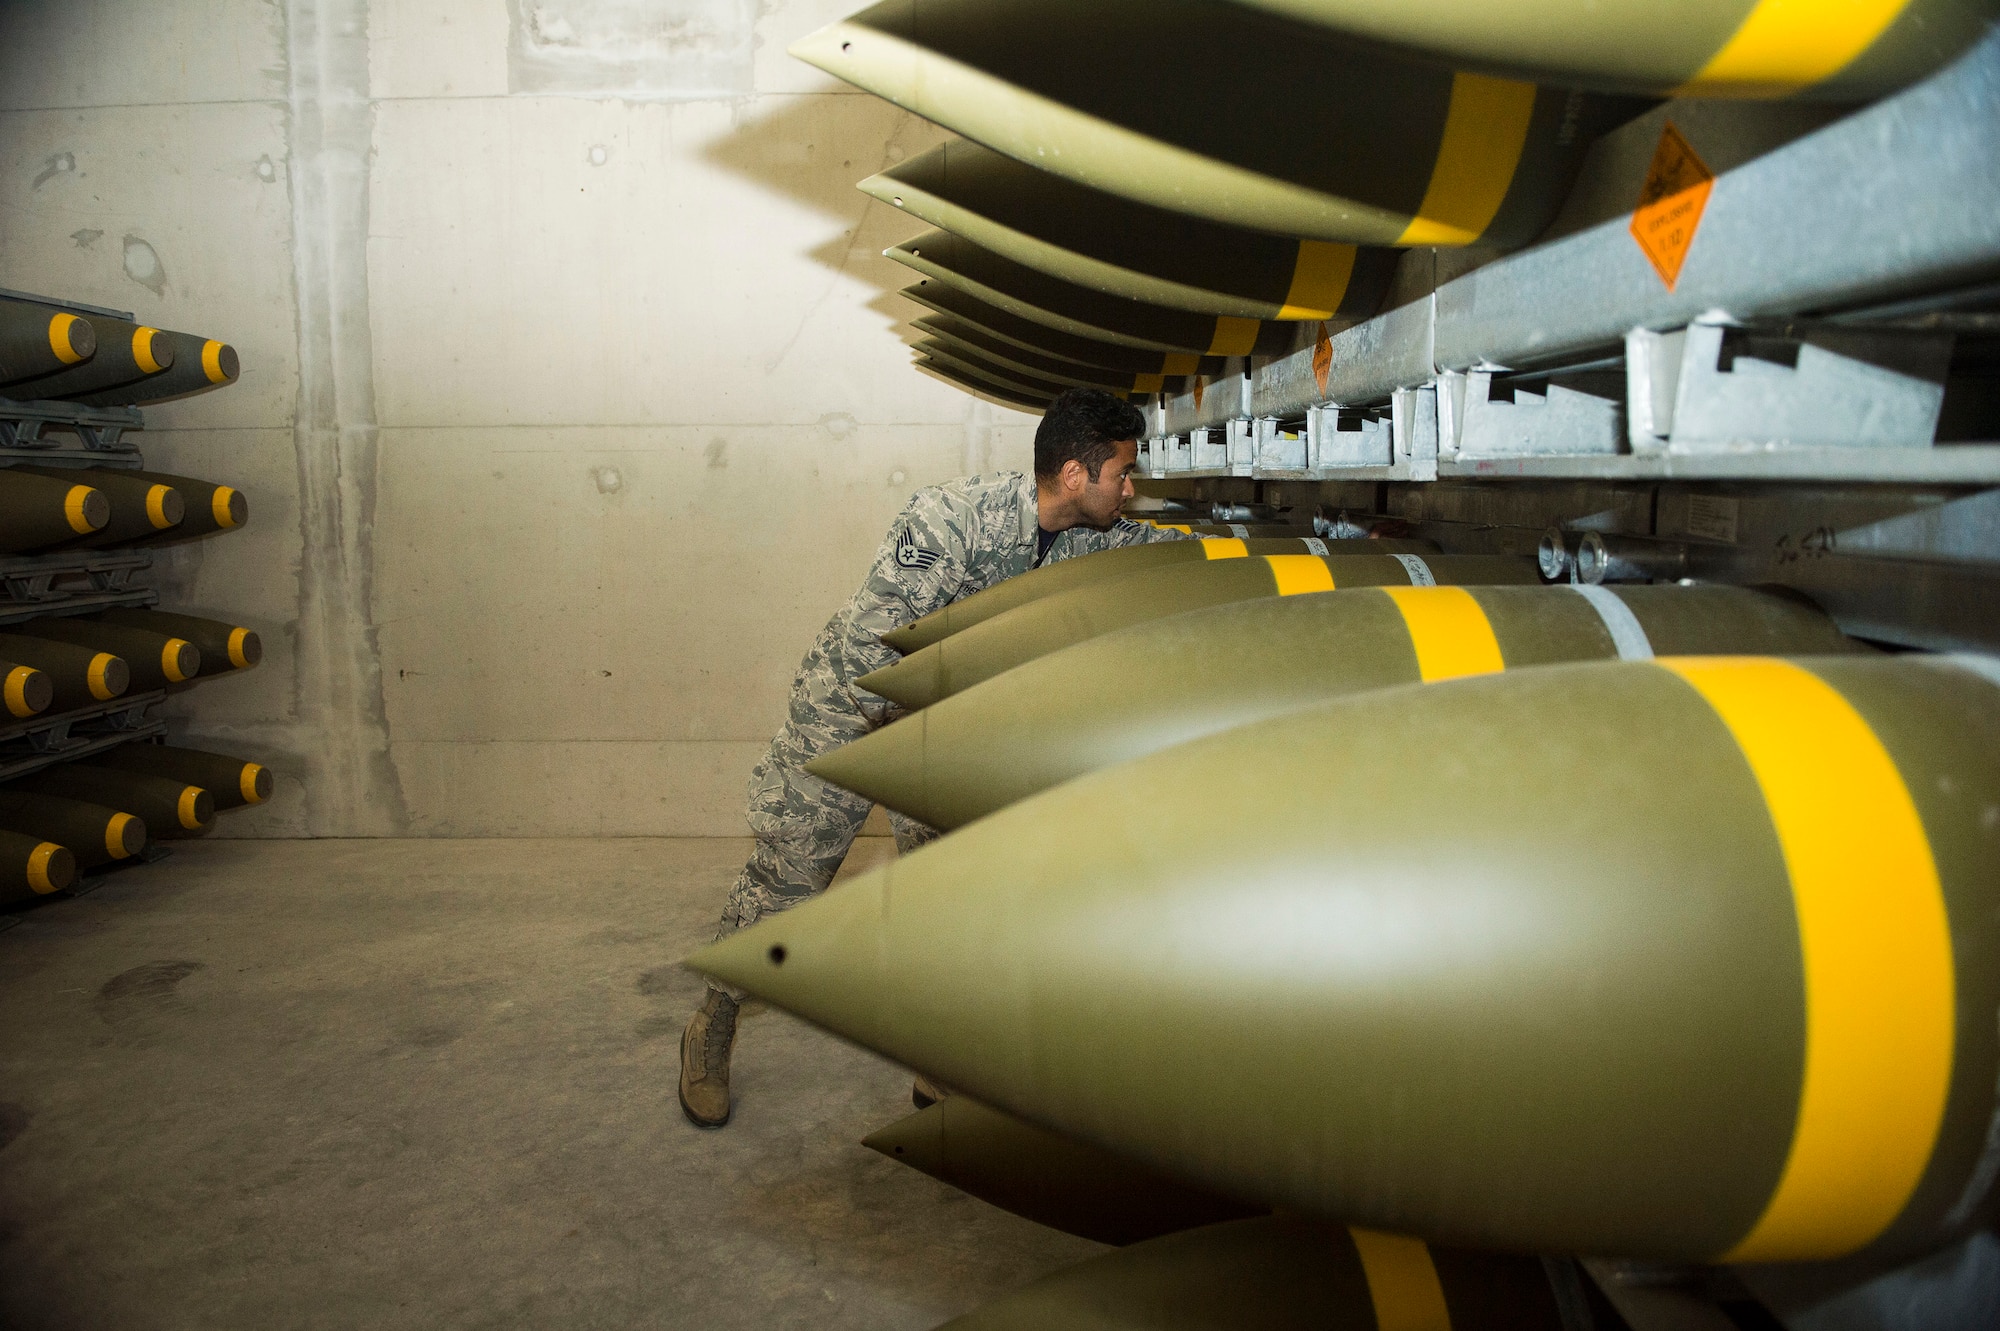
(1670, 204)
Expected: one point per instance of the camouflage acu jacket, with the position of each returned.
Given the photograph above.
(950, 541)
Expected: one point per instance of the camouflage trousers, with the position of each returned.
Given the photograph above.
(804, 826)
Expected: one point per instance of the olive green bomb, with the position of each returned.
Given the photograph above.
(78, 676)
(1048, 1178)
(37, 340)
(1064, 574)
(139, 506)
(1204, 108)
(231, 782)
(198, 364)
(126, 353)
(978, 363)
(170, 808)
(153, 659)
(31, 867)
(970, 338)
(1111, 244)
(207, 507)
(1693, 959)
(1040, 336)
(1156, 684)
(24, 690)
(224, 647)
(1290, 1273)
(40, 510)
(1083, 312)
(1013, 393)
(94, 834)
(1696, 48)
(1073, 615)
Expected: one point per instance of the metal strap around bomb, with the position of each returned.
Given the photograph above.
(1315, 546)
(1420, 572)
(1627, 634)
(1875, 947)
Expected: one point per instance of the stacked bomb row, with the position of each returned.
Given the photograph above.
(63, 663)
(98, 360)
(1091, 231)
(61, 822)
(49, 509)
(1395, 891)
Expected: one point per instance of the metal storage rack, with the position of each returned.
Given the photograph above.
(72, 582)
(1772, 417)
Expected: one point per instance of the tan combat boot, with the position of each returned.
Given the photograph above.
(705, 1049)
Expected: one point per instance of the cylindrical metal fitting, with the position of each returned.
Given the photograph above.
(1614, 558)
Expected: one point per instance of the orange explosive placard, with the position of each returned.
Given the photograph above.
(1322, 359)
(1670, 205)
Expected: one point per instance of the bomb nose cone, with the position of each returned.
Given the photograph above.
(824, 966)
(125, 835)
(72, 339)
(916, 1141)
(25, 690)
(905, 640)
(93, 508)
(180, 660)
(165, 507)
(110, 676)
(196, 808)
(885, 765)
(913, 682)
(52, 868)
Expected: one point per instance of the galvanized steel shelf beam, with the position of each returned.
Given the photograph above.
(1948, 464)
(1897, 200)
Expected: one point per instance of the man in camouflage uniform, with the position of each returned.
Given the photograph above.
(949, 542)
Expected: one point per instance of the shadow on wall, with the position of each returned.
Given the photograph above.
(814, 149)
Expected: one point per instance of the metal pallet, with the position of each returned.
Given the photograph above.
(43, 741)
(98, 432)
(74, 583)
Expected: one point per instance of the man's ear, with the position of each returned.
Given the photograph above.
(1074, 477)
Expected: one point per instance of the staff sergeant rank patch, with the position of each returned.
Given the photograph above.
(911, 555)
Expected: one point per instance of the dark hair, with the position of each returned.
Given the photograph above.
(1086, 424)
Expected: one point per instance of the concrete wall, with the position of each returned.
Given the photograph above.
(572, 397)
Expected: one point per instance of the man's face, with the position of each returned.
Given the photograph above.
(1103, 500)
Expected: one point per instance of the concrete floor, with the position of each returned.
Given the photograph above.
(431, 1084)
